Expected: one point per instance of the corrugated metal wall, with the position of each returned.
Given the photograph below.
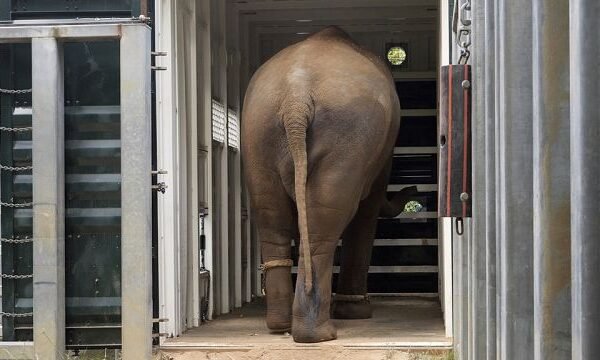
(533, 251)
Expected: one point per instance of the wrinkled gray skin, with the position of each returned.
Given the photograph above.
(319, 124)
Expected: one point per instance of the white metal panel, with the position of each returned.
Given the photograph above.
(233, 130)
(136, 200)
(168, 212)
(219, 122)
(204, 83)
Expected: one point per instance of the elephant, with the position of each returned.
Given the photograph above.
(319, 124)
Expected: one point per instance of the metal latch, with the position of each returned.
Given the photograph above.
(161, 186)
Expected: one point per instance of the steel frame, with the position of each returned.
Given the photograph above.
(48, 175)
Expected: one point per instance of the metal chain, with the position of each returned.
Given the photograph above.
(15, 92)
(16, 130)
(15, 168)
(16, 241)
(16, 205)
(16, 315)
(16, 276)
(463, 32)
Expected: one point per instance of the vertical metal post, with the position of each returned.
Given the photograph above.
(551, 191)
(237, 223)
(460, 287)
(136, 253)
(516, 205)
(169, 270)
(48, 198)
(226, 257)
(478, 264)
(490, 178)
(585, 172)
(205, 80)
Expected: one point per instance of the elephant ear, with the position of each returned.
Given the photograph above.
(394, 206)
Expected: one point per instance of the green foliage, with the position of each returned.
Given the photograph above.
(413, 207)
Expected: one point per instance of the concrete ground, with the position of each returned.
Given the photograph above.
(401, 329)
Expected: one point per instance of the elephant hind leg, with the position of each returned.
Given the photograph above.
(329, 211)
(351, 301)
(274, 214)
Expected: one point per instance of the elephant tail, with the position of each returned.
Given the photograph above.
(296, 115)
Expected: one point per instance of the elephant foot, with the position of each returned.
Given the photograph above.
(279, 313)
(303, 333)
(352, 309)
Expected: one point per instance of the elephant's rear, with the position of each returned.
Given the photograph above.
(345, 93)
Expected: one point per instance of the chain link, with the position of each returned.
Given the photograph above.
(16, 241)
(15, 168)
(16, 315)
(15, 92)
(16, 205)
(463, 31)
(16, 276)
(15, 130)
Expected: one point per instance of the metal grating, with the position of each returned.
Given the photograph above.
(219, 130)
(233, 130)
(15, 112)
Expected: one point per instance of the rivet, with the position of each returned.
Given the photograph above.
(464, 197)
(466, 84)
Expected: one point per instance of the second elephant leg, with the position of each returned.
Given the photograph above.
(357, 245)
(311, 322)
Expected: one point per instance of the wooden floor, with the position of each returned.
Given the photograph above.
(397, 323)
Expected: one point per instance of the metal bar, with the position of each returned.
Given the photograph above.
(490, 180)
(204, 19)
(397, 242)
(415, 150)
(418, 112)
(420, 187)
(376, 269)
(477, 348)
(405, 242)
(237, 223)
(417, 215)
(226, 257)
(459, 288)
(6, 190)
(72, 21)
(551, 184)
(414, 75)
(194, 155)
(88, 32)
(422, 295)
(168, 257)
(136, 167)
(49, 199)
(585, 172)
(515, 339)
